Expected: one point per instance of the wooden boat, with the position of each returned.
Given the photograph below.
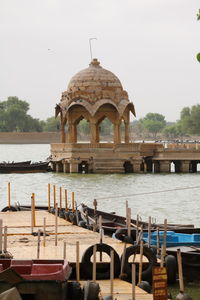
(173, 239)
(37, 269)
(36, 279)
(190, 261)
(112, 222)
(26, 162)
(24, 167)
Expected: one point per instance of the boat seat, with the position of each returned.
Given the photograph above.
(46, 268)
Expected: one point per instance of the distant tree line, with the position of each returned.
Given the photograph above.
(14, 117)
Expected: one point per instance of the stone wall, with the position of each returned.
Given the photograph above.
(29, 137)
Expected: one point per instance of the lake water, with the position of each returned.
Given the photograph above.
(172, 196)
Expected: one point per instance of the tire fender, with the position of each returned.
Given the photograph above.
(100, 273)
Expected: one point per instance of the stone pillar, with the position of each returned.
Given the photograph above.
(72, 133)
(156, 166)
(117, 137)
(185, 166)
(73, 167)
(137, 166)
(65, 167)
(94, 133)
(62, 132)
(126, 133)
(57, 167)
(164, 166)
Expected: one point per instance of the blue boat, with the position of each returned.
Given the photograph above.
(173, 239)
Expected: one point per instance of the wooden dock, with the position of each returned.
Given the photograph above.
(122, 290)
(23, 245)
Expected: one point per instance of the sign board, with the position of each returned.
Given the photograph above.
(159, 283)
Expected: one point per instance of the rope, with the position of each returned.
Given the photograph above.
(150, 193)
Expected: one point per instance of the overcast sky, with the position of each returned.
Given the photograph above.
(151, 45)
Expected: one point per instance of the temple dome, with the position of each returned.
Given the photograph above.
(93, 84)
(94, 77)
(92, 88)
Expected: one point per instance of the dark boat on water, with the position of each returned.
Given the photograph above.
(112, 222)
(24, 167)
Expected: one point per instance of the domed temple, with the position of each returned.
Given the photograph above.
(95, 94)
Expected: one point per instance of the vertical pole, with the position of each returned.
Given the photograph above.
(9, 194)
(158, 241)
(73, 202)
(49, 197)
(38, 245)
(180, 271)
(133, 281)
(44, 232)
(126, 212)
(94, 263)
(162, 257)
(129, 221)
(64, 250)
(100, 235)
(111, 272)
(66, 202)
(140, 265)
(123, 260)
(137, 224)
(149, 233)
(54, 196)
(165, 238)
(56, 225)
(5, 239)
(1, 234)
(60, 198)
(33, 211)
(77, 262)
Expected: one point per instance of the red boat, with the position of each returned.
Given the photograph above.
(38, 269)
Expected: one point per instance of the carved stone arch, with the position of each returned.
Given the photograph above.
(101, 103)
(82, 103)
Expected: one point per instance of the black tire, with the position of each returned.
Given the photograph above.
(122, 235)
(91, 290)
(145, 286)
(11, 208)
(74, 290)
(72, 218)
(171, 266)
(67, 213)
(82, 224)
(101, 273)
(147, 272)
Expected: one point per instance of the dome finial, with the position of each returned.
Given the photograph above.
(95, 63)
(91, 46)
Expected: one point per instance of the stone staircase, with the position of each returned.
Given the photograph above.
(108, 166)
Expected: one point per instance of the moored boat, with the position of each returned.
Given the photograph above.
(112, 222)
(173, 239)
(24, 167)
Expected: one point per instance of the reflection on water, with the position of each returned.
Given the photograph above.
(111, 191)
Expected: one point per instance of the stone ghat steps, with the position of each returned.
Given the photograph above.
(108, 166)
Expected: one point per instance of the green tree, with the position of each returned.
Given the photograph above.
(153, 123)
(14, 117)
(51, 124)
